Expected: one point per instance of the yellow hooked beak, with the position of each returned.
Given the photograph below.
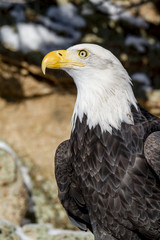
(59, 59)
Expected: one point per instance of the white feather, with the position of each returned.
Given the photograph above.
(104, 90)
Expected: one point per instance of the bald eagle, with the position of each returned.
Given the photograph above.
(108, 172)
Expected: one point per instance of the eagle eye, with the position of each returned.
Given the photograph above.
(83, 53)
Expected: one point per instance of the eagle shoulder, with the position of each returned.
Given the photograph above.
(68, 189)
(152, 151)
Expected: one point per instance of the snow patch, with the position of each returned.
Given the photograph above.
(139, 43)
(55, 232)
(4, 146)
(66, 14)
(87, 10)
(9, 37)
(116, 12)
(5, 5)
(21, 234)
(70, 32)
(58, 29)
(18, 13)
(142, 78)
(34, 37)
(147, 88)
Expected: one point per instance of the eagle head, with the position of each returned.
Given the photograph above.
(104, 92)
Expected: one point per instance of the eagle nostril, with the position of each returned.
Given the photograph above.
(60, 54)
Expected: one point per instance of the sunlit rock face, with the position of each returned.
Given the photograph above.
(39, 231)
(13, 194)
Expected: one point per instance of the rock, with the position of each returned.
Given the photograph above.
(18, 82)
(7, 168)
(47, 206)
(45, 231)
(10, 231)
(32, 88)
(153, 102)
(13, 194)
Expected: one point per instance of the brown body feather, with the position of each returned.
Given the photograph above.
(110, 183)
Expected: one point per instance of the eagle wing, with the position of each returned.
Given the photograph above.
(68, 190)
(152, 151)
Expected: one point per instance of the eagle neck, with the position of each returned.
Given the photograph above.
(106, 105)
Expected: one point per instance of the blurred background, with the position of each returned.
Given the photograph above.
(36, 110)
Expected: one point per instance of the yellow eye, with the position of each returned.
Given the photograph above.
(83, 53)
